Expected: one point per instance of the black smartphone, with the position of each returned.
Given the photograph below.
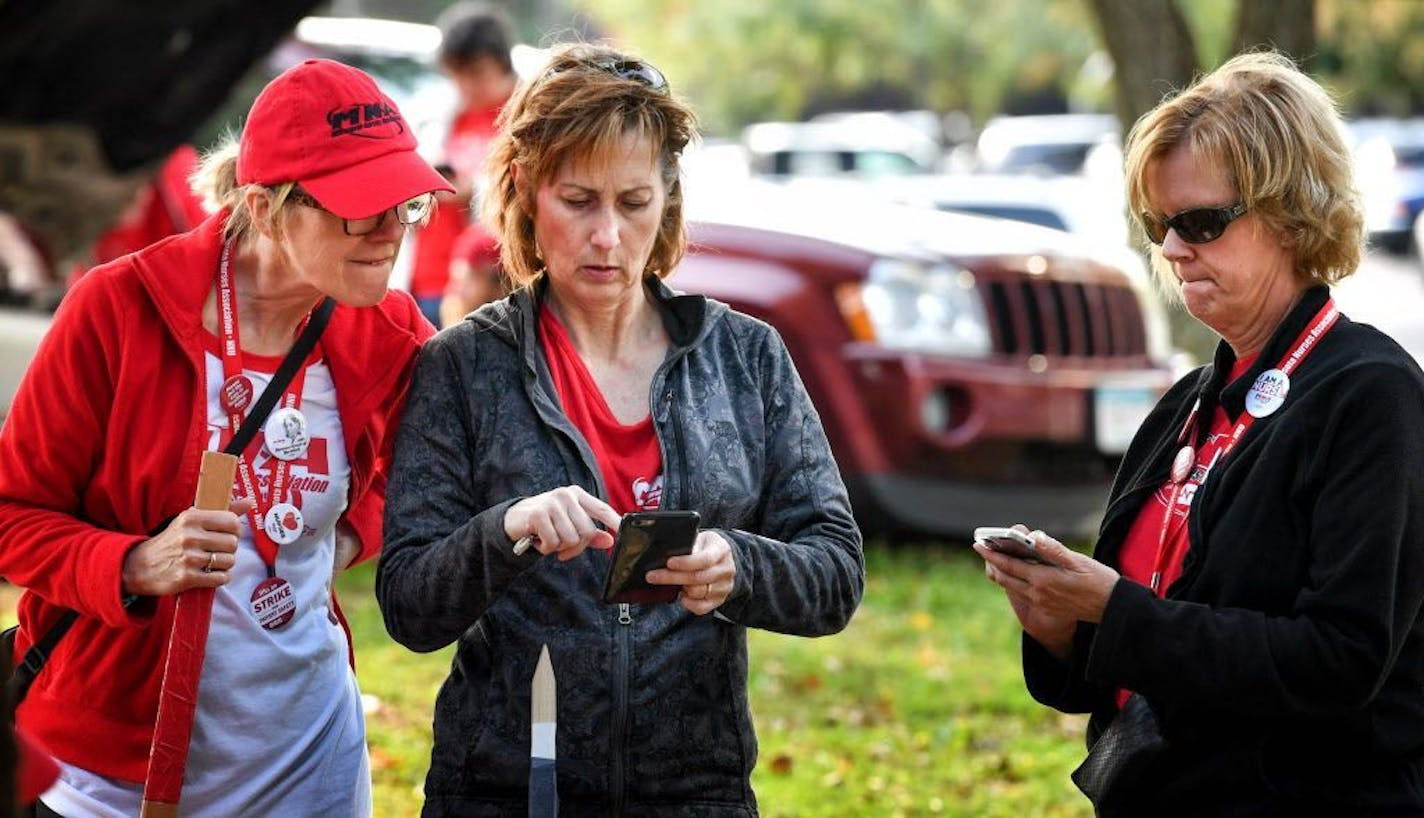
(645, 541)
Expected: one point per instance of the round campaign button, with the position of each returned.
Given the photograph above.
(1182, 463)
(273, 603)
(1267, 393)
(235, 394)
(283, 523)
(286, 433)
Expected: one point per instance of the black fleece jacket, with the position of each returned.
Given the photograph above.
(1286, 665)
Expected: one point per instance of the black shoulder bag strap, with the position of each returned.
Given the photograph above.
(38, 653)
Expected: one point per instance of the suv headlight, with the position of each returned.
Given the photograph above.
(907, 305)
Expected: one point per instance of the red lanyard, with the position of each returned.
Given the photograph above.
(1319, 325)
(291, 399)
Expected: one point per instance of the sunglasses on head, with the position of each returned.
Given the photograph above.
(631, 70)
(1196, 226)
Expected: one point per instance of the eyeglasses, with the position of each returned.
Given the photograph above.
(631, 70)
(1196, 226)
(408, 213)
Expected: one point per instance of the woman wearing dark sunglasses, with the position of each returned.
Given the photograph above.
(1248, 635)
(592, 391)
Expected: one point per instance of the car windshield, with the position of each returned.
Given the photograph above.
(1056, 158)
(1030, 215)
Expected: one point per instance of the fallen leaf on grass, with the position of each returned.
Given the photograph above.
(381, 760)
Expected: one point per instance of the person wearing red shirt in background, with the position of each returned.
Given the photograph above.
(476, 276)
(474, 52)
(164, 206)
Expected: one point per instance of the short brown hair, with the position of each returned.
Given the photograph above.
(573, 110)
(1278, 137)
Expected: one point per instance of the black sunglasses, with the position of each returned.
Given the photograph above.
(1196, 226)
(631, 70)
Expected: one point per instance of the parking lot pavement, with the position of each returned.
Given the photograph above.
(1388, 292)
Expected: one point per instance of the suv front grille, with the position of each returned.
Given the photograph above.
(1064, 318)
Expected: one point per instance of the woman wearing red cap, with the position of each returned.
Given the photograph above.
(165, 353)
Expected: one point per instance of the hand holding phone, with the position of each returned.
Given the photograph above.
(1009, 541)
(646, 539)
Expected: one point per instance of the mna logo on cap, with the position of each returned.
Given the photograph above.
(354, 120)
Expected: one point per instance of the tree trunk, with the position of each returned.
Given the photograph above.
(1286, 25)
(1152, 49)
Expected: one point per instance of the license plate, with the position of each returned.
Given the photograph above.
(1117, 412)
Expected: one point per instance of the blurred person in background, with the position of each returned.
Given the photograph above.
(476, 275)
(531, 421)
(166, 205)
(1248, 635)
(160, 355)
(475, 43)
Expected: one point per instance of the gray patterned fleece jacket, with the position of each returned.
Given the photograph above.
(653, 716)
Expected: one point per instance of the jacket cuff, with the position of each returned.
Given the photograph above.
(734, 606)
(103, 583)
(489, 528)
(365, 520)
(1111, 645)
(1052, 681)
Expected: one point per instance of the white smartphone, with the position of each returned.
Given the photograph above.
(1009, 541)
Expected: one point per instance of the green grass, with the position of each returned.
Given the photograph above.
(916, 709)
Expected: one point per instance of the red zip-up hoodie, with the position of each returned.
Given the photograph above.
(103, 443)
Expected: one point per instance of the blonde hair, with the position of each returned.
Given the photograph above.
(1276, 135)
(575, 110)
(215, 181)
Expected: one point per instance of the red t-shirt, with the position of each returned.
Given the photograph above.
(1145, 550)
(1140, 557)
(628, 455)
(466, 146)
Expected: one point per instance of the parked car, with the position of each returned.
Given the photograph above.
(968, 371)
(862, 144)
(1077, 204)
(1048, 143)
(1389, 167)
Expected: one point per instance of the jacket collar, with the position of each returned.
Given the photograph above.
(687, 318)
(1232, 396)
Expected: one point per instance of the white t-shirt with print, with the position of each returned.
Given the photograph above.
(279, 728)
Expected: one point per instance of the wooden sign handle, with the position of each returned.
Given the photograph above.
(187, 643)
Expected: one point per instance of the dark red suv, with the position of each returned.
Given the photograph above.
(968, 371)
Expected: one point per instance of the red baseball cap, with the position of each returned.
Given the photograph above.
(327, 127)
